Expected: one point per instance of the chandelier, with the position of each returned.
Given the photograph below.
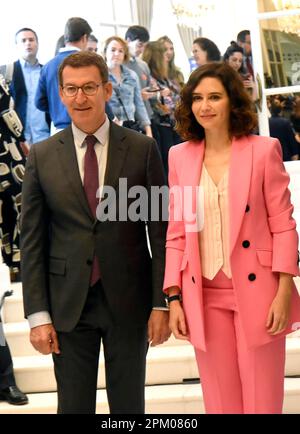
(286, 4)
(290, 23)
(190, 12)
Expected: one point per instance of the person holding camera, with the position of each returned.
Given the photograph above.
(234, 56)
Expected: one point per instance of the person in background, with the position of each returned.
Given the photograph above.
(231, 249)
(281, 129)
(137, 38)
(91, 279)
(23, 77)
(244, 41)
(295, 120)
(174, 73)
(204, 51)
(167, 95)
(12, 167)
(126, 101)
(234, 56)
(77, 31)
(92, 44)
(9, 391)
(60, 43)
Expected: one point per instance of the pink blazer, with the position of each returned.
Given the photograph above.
(260, 213)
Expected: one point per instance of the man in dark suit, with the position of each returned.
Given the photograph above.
(87, 279)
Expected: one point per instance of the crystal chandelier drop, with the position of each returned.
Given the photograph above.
(290, 23)
(190, 12)
(286, 4)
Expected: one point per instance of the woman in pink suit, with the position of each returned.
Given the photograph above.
(231, 250)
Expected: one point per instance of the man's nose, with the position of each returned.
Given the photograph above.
(80, 97)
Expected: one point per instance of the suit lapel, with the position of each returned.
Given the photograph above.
(193, 163)
(239, 184)
(68, 159)
(117, 149)
(192, 167)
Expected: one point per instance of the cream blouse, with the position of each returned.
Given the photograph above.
(214, 239)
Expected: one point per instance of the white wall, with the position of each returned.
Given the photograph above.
(48, 19)
(164, 23)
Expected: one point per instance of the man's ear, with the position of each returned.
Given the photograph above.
(61, 94)
(84, 41)
(108, 90)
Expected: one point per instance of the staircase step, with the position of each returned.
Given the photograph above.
(167, 399)
(165, 365)
(17, 335)
(13, 307)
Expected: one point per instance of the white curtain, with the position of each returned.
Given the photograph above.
(145, 13)
(188, 35)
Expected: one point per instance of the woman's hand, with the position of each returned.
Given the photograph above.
(249, 83)
(165, 92)
(279, 311)
(177, 321)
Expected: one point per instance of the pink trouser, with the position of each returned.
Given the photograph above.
(234, 378)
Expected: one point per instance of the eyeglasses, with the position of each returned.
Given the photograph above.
(89, 89)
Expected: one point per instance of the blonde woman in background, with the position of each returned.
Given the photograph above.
(156, 56)
(174, 73)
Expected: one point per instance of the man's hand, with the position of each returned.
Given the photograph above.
(158, 327)
(25, 148)
(44, 339)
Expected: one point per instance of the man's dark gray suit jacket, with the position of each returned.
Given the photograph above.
(59, 235)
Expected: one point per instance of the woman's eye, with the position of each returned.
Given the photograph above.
(196, 98)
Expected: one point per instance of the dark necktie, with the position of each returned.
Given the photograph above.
(91, 185)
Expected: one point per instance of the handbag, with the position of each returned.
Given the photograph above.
(132, 125)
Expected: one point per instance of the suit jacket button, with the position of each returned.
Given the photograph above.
(89, 262)
(193, 279)
(247, 208)
(252, 277)
(246, 244)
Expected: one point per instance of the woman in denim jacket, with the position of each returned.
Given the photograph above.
(126, 101)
